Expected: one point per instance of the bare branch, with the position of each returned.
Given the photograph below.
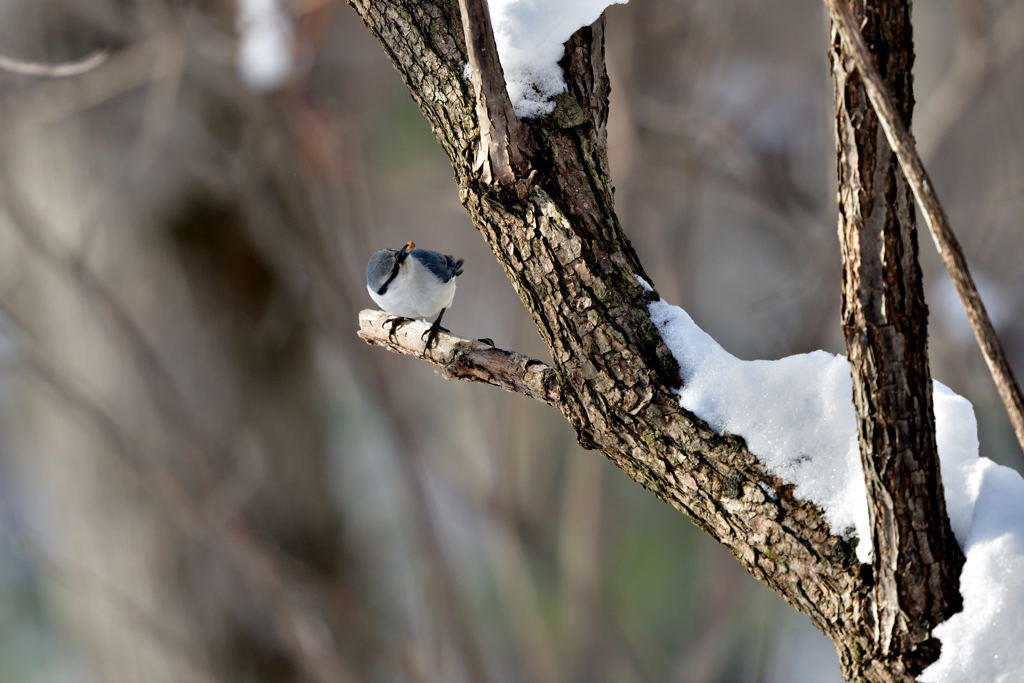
(472, 361)
(502, 134)
(59, 70)
(916, 560)
(952, 255)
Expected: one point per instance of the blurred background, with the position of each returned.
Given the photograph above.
(206, 476)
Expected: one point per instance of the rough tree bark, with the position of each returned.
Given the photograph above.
(897, 132)
(555, 232)
(917, 561)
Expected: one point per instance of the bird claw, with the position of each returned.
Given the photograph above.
(392, 325)
(486, 340)
(430, 336)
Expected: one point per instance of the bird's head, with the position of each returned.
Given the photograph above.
(384, 265)
(403, 253)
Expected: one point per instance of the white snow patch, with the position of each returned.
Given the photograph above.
(266, 38)
(530, 35)
(983, 642)
(796, 414)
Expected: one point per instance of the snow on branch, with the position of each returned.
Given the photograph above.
(465, 359)
(797, 416)
(530, 36)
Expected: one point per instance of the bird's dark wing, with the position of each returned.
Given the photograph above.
(445, 267)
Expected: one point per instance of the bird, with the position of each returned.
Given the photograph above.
(413, 283)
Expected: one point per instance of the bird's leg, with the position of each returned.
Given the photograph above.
(392, 324)
(430, 336)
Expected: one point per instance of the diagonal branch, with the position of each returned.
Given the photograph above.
(952, 254)
(565, 253)
(471, 361)
(502, 134)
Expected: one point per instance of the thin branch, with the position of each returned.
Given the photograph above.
(472, 361)
(502, 134)
(935, 216)
(59, 70)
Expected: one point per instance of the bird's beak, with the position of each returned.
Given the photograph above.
(402, 253)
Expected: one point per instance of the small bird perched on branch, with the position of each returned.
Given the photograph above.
(413, 283)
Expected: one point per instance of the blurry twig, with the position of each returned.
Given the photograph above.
(53, 100)
(952, 255)
(983, 53)
(30, 228)
(300, 629)
(296, 615)
(56, 70)
(294, 620)
(168, 70)
(580, 569)
(56, 569)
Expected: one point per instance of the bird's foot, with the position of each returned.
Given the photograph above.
(392, 325)
(486, 340)
(429, 338)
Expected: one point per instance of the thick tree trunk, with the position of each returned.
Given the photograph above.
(917, 562)
(554, 230)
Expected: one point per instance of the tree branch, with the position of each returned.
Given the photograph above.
(58, 70)
(902, 144)
(463, 359)
(916, 559)
(502, 134)
(562, 246)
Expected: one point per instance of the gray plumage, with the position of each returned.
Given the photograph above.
(379, 267)
(412, 283)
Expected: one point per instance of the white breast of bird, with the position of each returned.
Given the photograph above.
(415, 292)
